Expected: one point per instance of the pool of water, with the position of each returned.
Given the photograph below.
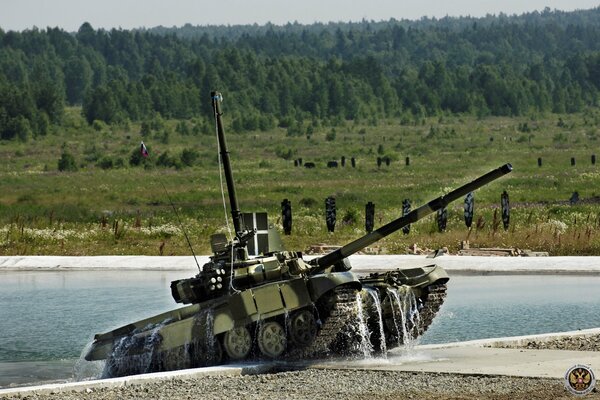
(53, 315)
(480, 307)
(47, 318)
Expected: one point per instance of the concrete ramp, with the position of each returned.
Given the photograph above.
(477, 361)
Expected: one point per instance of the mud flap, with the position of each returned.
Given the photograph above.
(318, 285)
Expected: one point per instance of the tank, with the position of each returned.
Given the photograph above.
(281, 305)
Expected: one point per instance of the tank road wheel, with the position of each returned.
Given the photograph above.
(237, 343)
(303, 328)
(271, 339)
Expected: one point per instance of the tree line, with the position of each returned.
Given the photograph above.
(285, 75)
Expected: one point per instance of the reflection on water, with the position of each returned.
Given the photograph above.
(51, 316)
(496, 306)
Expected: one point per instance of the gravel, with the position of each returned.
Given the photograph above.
(580, 343)
(332, 384)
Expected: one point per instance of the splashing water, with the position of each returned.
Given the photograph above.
(286, 322)
(120, 360)
(138, 352)
(204, 350)
(211, 340)
(414, 314)
(394, 296)
(377, 308)
(84, 370)
(405, 302)
(364, 345)
(315, 310)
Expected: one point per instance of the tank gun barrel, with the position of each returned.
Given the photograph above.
(413, 216)
(236, 215)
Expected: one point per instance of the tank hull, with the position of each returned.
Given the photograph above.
(202, 334)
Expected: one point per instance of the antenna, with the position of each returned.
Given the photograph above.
(224, 151)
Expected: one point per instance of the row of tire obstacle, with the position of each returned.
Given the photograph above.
(592, 159)
(441, 216)
(387, 162)
(334, 163)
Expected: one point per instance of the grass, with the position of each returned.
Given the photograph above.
(127, 210)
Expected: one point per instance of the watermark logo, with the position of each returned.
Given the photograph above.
(580, 380)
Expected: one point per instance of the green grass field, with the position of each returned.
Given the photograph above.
(126, 210)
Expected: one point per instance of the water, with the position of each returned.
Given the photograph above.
(118, 366)
(53, 315)
(47, 318)
(496, 306)
(377, 306)
(365, 346)
(405, 314)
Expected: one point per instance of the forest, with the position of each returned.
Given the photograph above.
(294, 76)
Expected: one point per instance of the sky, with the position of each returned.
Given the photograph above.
(128, 14)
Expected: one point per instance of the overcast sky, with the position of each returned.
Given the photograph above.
(70, 14)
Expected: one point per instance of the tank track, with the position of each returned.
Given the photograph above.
(432, 303)
(342, 311)
(344, 314)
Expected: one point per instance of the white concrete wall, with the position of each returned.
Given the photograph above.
(360, 263)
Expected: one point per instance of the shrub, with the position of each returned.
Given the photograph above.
(266, 122)
(106, 163)
(330, 136)
(560, 138)
(165, 160)
(351, 217)
(188, 157)
(145, 129)
(98, 125)
(136, 157)
(522, 139)
(284, 153)
(66, 162)
(524, 127)
(308, 202)
(182, 128)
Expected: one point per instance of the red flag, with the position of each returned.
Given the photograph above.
(144, 150)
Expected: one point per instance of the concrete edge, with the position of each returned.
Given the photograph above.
(452, 271)
(473, 265)
(226, 370)
(511, 340)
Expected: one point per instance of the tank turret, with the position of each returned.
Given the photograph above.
(279, 305)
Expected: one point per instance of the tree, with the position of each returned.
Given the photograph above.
(78, 79)
(66, 162)
(136, 158)
(188, 157)
(100, 104)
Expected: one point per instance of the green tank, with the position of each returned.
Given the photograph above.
(280, 305)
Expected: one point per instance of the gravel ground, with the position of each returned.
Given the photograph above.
(334, 384)
(581, 343)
